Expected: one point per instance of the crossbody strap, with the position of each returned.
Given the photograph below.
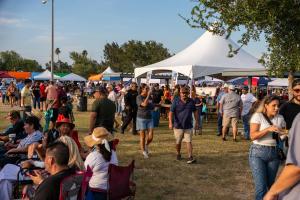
(270, 122)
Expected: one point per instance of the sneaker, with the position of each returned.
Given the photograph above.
(178, 157)
(191, 160)
(145, 154)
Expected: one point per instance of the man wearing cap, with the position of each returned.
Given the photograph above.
(230, 107)
(182, 110)
(248, 99)
(17, 126)
(224, 90)
(156, 96)
(103, 111)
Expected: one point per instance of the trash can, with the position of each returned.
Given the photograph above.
(82, 104)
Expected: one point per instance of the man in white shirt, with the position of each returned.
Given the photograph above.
(111, 93)
(248, 99)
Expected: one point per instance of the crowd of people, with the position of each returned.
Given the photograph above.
(56, 150)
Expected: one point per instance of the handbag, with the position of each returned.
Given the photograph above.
(280, 152)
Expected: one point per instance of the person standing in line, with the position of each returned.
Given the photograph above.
(290, 109)
(43, 96)
(26, 97)
(131, 108)
(144, 121)
(220, 118)
(248, 99)
(182, 110)
(231, 108)
(11, 92)
(263, 155)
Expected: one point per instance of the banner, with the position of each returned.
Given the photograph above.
(148, 77)
(174, 79)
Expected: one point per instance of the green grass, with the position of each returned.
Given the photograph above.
(221, 171)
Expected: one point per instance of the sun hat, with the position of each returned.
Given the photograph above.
(109, 86)
(124, 90)
(62, 119)
(225, 85)
(99, 135)
(35, 113)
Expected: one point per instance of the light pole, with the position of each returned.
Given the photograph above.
(52, 36)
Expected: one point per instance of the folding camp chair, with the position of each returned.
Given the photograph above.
(120, 182)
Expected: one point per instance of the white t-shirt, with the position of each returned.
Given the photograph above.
(100, 168)
(112, 96)
(267, 140)
(247, 99)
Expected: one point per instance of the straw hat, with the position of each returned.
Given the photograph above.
(36, 113)
(98, 135)
(61, 119)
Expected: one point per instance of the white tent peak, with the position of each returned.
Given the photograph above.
(46, 75)
(208, 55)
(108, 71)
(72, 77)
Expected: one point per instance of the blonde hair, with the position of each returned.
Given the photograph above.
(74, 158)
(268, 99)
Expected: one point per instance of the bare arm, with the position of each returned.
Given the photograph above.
(289, 176)
(256, 134)
(92, 121)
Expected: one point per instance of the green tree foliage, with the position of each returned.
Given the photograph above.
(60, 67)
(279, 21)
(12, 61)
(133, 54)
(83, 65)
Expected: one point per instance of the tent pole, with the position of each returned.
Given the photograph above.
(249, 84)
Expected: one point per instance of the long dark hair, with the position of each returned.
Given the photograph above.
(105, 153)
(143, 85)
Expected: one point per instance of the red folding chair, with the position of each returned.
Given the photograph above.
(120, 182)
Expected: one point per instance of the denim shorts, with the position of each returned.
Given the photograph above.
(143, 124)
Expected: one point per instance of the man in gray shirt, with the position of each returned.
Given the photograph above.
(230, 107)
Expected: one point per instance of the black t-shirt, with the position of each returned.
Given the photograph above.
(144, 112)
(289, 110)
(130, 99)
(49, 189)
(156, 96)
(36, 91)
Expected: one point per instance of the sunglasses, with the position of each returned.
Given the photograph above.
(297, 90)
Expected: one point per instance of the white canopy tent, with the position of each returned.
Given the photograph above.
(72, 77)
(208, 55)
(46, 75)
(279, 82)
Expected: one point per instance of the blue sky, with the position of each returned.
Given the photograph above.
(25, 26)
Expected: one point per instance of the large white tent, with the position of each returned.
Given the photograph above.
(46, 75)
(279, 82)
(72, 77)
(208, 55)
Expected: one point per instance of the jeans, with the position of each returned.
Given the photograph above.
(36, 100)
(220, 119)
(264, 164)
(246, 125)
(156, 116)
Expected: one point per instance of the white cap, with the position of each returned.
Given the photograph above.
(225, 85)
(231, 87)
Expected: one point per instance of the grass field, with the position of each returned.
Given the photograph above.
(221, 171)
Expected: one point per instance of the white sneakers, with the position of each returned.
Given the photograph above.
(145, 154)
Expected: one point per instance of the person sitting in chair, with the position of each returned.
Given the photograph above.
(102, 154)
(56, 163)
(16, 127)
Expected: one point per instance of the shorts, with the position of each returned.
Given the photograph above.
(143, 124)
(185, 134)
(227, 120)
(43, 99)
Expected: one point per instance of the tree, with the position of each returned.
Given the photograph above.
(83, 65)
(133, 53)
(279, 21)
(57, 52)
(12, 61)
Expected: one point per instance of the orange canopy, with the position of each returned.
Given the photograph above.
(97, 77)
(20, 75)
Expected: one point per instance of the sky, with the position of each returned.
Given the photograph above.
(25, 26)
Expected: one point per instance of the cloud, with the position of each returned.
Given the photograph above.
(11, 21)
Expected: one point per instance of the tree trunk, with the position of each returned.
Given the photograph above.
(290, 80)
